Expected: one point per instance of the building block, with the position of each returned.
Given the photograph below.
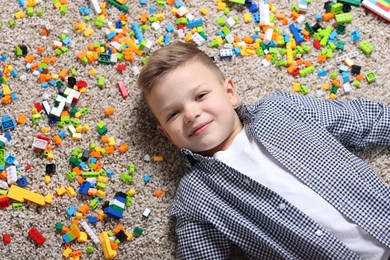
(19, 194)
(109, 253)
(36, 236)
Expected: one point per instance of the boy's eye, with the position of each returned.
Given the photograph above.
(171, 115)
(201, 95)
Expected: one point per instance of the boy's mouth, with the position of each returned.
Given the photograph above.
(199, 129)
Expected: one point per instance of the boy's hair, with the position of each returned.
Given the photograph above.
(168, 58)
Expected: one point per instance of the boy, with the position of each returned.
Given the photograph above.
(275, 179)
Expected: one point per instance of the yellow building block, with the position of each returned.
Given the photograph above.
(49, 198)
(19, 194)
(71, 192)
(83, 237)
(67, 252)
(106, 246)
(203, 10)
(61, 190)
(79, 215)
(46, 179)
(101, 194)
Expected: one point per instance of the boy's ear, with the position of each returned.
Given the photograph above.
(232, 92)
(161, 130)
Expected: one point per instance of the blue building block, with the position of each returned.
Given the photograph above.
(297, 36)
(146, 178)
(142, 2)
(322, 73)
(345, 76)
(70, 211)
(113, 213)
(118, 25)
(137, 32)
(178, 4)
(44, 85)
(92, 219)
(333, 35)
(169, 28)
(111, 35)
(355, 35)
(10, 159)
(7, 124)
(253, 8)
(66, 238)
(286, 38)
(21, 182)
(84, 187)
(152, 10)
(62, 134)
(14, 73)
(195, 23)
(4, 57)
(166, 39)
(110, 173)
(8, 136)
(256, 17)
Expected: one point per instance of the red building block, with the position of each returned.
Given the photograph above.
(6, 239)
(36, 236)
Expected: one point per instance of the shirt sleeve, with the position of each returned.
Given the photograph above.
(355, 123)
(197, 240)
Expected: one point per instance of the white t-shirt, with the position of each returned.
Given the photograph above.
(252, 159)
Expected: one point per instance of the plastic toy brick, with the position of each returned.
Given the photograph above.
(122, 89)
(4, 201)
(109, 253)
(344, 18)
(36, 236)
(370, 76)
(6, 239)
(8, 123)
(90, 232)
(20, 194)
(365, 47)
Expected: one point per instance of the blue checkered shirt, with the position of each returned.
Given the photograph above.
(216, 206)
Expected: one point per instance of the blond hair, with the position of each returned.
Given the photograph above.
(168, 58)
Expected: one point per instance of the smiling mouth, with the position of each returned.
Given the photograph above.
(200, 129)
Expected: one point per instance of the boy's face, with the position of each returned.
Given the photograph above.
(195, 110)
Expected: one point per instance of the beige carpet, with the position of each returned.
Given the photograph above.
(132, 124)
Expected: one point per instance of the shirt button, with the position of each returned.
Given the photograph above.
(319, 233)
(282, 206)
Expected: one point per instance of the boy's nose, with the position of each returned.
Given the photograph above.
(191, 115)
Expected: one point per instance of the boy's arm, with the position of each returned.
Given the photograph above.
(200, 241)
(355, 123)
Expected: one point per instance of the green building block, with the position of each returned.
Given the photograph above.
(138, 231)
(101, 81)
(241, 2)
(370, 77)
(336, 8)
(344, 18)
(70, 175)
(304, 89)
(30, 11)
(365, 47)
(351, 2)
(104, 58)
(90, 249)
(123, 8)
(356, 83)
